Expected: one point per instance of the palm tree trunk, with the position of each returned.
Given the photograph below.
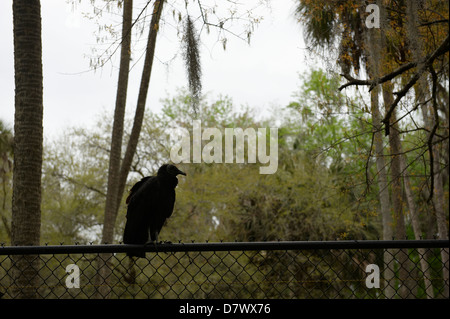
(28, 137)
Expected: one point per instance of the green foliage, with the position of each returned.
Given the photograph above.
(313, 195)
(6, 165)
(335, 132)
(303, 204)
(307, 198)
(320, 191)
(74, 185)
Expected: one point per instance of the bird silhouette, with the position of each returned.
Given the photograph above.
(150, 203)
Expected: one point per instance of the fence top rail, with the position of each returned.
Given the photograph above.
(222, 246)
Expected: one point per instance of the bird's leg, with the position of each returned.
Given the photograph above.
(152, 238)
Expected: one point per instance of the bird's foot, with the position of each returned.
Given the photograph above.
(154, 242)
(150, 242)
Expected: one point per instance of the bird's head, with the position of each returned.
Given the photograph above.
(171, 170)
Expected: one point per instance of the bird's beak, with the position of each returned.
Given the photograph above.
(181, 173)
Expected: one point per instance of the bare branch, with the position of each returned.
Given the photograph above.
(375, 82)
(433, 131)
(444, 47)
(75, 182)
(425, 63)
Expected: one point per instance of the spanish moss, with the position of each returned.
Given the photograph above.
(191, 56)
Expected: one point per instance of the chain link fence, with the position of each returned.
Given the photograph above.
(286, 270)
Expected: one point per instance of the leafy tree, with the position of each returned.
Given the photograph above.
(207, 209)
(401, 66)
(74, 185)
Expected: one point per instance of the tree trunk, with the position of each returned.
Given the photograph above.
(383, 194)
(373, 42)
(397, 195)
(438, 198)
(142, 98)
(28, 138)
(417, 230)
(430, 121)
(111, 208)
(117, 130)
(121, 174)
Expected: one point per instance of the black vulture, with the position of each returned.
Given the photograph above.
(150, 203)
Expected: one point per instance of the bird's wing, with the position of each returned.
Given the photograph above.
(140, 206)
(136, 186)
(145, 194)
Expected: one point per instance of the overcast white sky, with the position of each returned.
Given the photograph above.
(260, 75)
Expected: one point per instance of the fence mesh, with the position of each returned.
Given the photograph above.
(287, 270)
